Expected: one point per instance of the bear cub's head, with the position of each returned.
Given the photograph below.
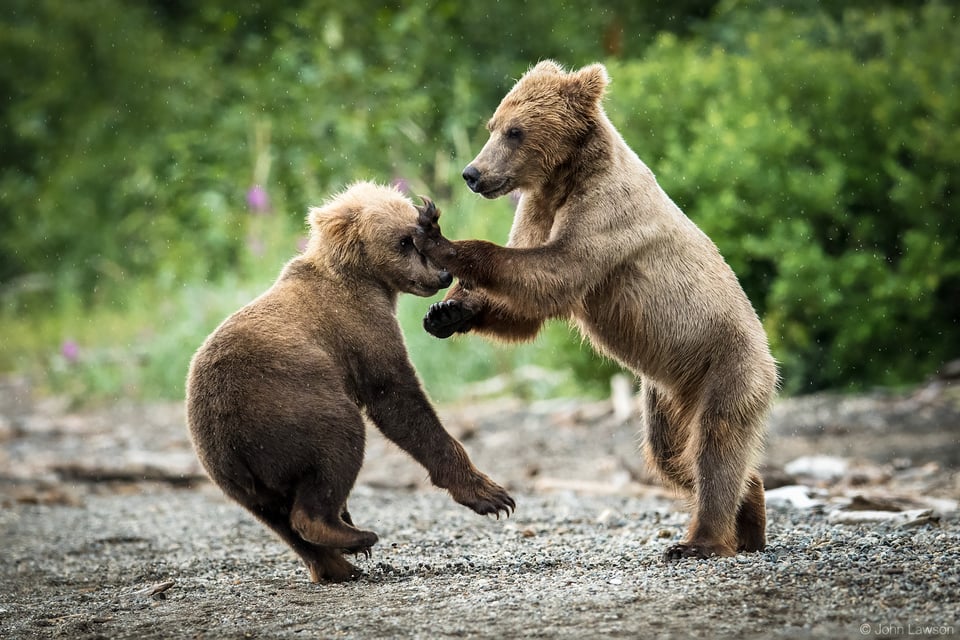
(538, 126)
(366, 233)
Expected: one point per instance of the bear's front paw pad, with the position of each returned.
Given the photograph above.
(446, 318)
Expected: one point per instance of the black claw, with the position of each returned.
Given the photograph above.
(428, 211)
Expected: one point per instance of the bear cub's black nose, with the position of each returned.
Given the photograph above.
(445, 279)
(472, 176)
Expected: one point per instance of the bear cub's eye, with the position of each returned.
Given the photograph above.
(514, 133)
(406, 243)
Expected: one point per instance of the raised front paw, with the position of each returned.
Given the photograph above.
(484, 496)
(428, 218)
(447, 317)
(427, 237)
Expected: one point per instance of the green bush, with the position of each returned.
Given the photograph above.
(822, 156)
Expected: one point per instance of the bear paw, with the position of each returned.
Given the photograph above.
(485, 497)
(329, 565)
(446, 318)
(427, 237)
(427, 217)
(695, 551)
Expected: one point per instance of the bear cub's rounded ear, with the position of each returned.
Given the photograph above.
(588, 84)
(334, 226)
(547, 66)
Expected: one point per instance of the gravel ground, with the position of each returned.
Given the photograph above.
(563, 567)
(108, 533)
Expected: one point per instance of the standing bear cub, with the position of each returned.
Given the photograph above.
(276, 394)
(596, 240)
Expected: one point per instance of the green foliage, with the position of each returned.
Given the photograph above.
(818, 147)
(135, 131)
(822, 156)
(134, 134)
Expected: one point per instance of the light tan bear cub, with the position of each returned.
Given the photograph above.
(277, 394)
(597, 241)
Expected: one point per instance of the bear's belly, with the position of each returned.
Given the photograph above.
(659, 333)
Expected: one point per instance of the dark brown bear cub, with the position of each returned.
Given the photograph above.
(277, 393)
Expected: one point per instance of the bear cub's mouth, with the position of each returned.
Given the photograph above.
(427, 289)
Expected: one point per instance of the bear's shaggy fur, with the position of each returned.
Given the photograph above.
(596, 240)
(276, 394)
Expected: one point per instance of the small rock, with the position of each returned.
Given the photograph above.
(155, 591)
(819, 467)
(606, 516)
(796, 496)
(621, 397)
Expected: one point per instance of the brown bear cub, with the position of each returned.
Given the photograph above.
(597, 241)
(277, 394)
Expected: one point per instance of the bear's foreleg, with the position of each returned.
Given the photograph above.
(404, 415)
(466, 310)
(523, 282)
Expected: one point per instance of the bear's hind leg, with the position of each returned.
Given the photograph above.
(721, 452)
(665, 438)
(318, 514)
(752, 517)
(319, 510)
(323, 564)
(712, 529)
(330, 565)
(667, 445)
